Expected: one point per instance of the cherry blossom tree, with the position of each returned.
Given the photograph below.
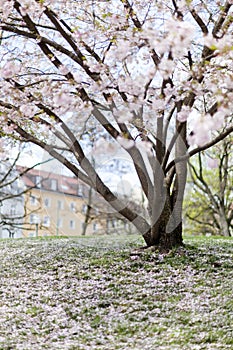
(155, 76)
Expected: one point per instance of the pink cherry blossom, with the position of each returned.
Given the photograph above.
(6, 7)
(63, 70)
(182, 116)
(62, 99)
(9, 70)
(144, 146)
(212, 163)
(28, 109)
(201, 126)
(125, 142)
(166, 67)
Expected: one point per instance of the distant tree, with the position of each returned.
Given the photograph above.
(209, 201)
(98, 212)
(154, 76)
(12, 210)
(11, 201)
(14, 213)
(89, 212)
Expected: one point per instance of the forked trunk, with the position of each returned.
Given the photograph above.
(166, 218)
(166, 232)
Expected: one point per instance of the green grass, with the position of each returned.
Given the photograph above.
(91, 293)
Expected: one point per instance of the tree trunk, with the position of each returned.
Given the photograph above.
(84, 227)
(166, 233)
(87, 213)
(166, 230)
(223, 223)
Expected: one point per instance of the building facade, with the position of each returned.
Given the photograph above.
(55, 205)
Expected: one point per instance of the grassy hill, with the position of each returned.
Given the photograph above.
(93, 293)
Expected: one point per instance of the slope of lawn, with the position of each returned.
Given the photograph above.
(91, 293)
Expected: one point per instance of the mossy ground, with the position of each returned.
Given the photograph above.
(91, 293)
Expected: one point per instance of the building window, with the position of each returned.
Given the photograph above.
(59, 223)
(38, 181)
(80, 190)
(60, 204)
(54, 184)
(72, 224)
(32, 219)
(109, 221)
(33, 200)
(13, 210)
(47, 202)
(72, 206)
(84, 209)
(46, 221)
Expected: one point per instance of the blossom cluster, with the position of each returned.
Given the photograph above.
(138, 62)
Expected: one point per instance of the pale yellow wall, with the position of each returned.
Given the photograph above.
(57, 215)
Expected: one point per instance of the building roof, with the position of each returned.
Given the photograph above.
(49, 181)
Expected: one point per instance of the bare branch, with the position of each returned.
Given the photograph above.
(199, 21)
(221, 19)
(196, 150)
(132, 14)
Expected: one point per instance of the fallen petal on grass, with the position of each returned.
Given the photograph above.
(92, 293)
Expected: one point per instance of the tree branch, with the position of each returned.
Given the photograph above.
(199, 21)
(221, 19)
(200, 148)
